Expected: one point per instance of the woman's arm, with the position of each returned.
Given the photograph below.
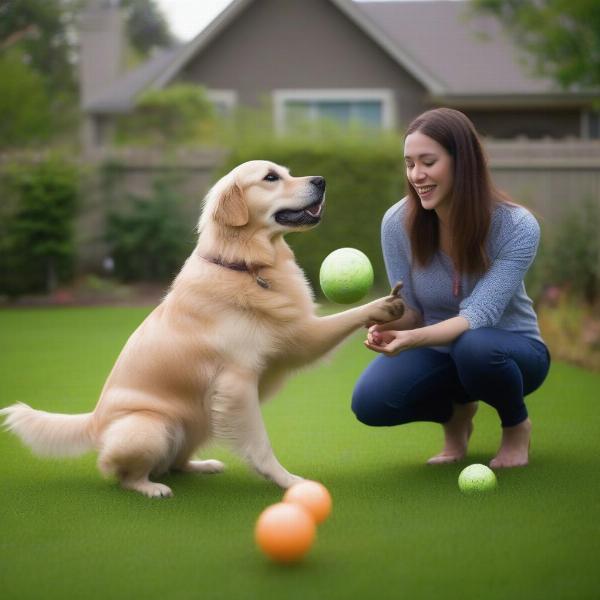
(518, 240)
(392, 342)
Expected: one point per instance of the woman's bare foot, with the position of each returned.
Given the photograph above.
(514, 449)
(457, 432)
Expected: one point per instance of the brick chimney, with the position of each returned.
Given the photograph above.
(102, 47)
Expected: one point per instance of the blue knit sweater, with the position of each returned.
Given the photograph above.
(495, 299)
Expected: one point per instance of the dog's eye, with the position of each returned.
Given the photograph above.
(271, 177)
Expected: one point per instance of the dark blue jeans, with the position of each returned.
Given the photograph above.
(496, 366)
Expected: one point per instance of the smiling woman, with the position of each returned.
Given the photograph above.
(470, 332)
(429, 167)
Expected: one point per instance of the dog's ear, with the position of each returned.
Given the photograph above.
(232, 208)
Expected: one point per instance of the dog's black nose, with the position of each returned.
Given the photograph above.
(319, 183)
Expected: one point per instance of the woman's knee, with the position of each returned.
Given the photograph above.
(475, 346)
(371, 406)
(365, 406)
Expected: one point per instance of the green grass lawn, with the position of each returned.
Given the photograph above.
(399, 529)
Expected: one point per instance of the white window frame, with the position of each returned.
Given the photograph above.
(226, 97)
(386, 97)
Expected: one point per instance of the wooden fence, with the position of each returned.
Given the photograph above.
(551, 177)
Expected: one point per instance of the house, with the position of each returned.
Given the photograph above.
(381, 63)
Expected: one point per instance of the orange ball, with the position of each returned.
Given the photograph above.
(285, 532)
(313, 496)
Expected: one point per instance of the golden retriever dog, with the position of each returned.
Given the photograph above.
(238, 318)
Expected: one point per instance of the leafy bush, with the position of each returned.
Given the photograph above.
(365, 176)
(572, 257)
(152, 240)
(37, 226)
(179, 114)
(572, 331)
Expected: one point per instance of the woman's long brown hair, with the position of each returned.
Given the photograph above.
(473, 194)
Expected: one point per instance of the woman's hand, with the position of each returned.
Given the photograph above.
(392, 342)
(389, 342)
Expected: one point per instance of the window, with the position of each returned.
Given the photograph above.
(224, 101)
(371, 108)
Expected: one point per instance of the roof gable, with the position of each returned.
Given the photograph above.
(469, 53)
(347, 7)
(435, 41)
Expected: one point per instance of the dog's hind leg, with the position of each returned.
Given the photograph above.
(236, 418)
(135, 446)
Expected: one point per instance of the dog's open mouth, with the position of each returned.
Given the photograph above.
(309, 215)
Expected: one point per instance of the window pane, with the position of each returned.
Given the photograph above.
(370, 113)
(336, 111)
(366, 112)
(222, 109)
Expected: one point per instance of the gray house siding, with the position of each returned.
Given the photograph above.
(307, 45)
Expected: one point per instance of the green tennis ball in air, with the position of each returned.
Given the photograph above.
(346, 276)
(476, 479)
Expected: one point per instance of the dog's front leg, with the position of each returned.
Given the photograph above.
(320, 335)
(236, 418)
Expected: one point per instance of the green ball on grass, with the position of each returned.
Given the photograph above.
(476, 479)
(346, 276)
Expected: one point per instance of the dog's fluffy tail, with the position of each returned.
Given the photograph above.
(49, 434)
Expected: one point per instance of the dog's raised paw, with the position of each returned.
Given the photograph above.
(395, 305)
(396, 289)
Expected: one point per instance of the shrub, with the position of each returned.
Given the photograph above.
(152, 240)
(179, 114)
(37, 226)
(572, 331)
(573, 257)
(364, 176)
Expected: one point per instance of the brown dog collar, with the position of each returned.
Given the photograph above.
(241, 267)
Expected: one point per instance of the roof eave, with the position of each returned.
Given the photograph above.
(515, 99)
(93, 107)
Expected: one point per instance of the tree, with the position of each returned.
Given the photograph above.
(37, 225)
(147, 27)
(38, 58)
(562, 36)
(41, 30)
(24, 103)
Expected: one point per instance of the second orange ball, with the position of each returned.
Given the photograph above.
(313, 496)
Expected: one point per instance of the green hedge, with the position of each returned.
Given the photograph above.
(152, 239)
(365, 176)
(37, 219)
